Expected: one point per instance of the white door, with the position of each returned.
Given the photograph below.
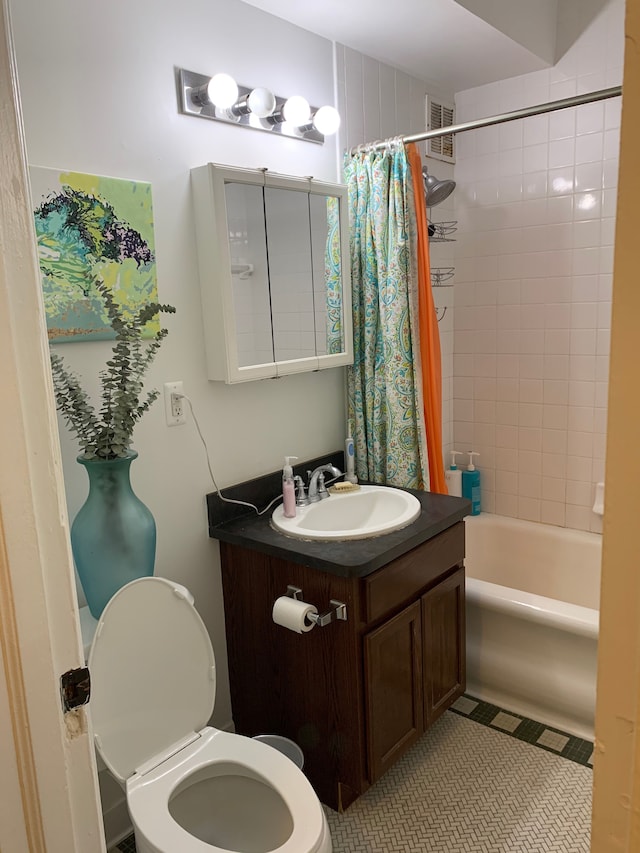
(48, 785)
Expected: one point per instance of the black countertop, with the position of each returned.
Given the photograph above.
(346, 558)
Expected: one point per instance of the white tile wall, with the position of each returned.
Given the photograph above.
(535, 201)
(378, 101)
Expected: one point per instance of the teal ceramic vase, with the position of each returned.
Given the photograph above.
(113, 536)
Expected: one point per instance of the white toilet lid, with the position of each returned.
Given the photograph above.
(152, 674)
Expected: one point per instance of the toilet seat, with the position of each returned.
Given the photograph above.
(150, 651)
(231, 752)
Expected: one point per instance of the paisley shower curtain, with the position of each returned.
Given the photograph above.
(385, 398)
(333, 278)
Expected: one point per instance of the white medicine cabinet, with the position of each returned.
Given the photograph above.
(273, 255)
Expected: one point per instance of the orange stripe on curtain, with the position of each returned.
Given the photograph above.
(429, 334)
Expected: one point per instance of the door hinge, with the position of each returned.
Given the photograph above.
(75, 688)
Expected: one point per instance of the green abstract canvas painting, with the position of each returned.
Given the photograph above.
(92, 228)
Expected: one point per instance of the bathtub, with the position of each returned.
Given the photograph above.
(532, 619)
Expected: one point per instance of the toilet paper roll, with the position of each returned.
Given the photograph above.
(293, 614)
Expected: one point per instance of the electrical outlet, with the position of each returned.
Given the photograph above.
(174, 405)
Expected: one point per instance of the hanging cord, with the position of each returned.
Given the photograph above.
(213, 479)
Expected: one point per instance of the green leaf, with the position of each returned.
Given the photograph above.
(109, 433)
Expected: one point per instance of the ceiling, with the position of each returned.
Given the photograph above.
(453, 44)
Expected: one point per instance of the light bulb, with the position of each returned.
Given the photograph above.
(261, 102)
(297, 110)
(327, 120)
(222, 91)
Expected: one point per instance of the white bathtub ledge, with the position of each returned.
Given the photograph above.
(557, 614)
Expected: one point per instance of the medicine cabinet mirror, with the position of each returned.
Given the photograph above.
(273, 254)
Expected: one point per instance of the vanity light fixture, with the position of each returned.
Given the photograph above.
(327, 120)
(220, 98)
(296, 111)
(221, 91)
(259, 102)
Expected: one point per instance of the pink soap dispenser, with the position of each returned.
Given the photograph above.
(288, 489)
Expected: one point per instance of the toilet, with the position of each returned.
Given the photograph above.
(190, 787)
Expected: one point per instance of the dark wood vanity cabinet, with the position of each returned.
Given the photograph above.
(443, 645)
(414, 669)
(357, 694)
(393, 693)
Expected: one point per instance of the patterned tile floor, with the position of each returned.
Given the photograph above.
(127, 846)
(480, 781)
(566, 745)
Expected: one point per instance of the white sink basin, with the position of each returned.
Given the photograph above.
(370, 511)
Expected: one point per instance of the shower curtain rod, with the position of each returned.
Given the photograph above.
(551, 106)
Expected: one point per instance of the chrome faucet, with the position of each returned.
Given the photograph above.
(317, 490)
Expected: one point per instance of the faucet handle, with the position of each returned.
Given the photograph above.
(322, 489)
(301, 497)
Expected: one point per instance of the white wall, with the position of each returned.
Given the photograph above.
(533, 25)
(99, 96)
(536, 205)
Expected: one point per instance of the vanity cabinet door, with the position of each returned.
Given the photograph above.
(393, 689)
(443, 645)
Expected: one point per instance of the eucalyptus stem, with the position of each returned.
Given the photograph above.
(109, 433)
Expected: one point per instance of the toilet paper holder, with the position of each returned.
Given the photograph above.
(337, 609)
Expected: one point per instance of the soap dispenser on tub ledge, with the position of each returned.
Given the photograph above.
(453, 476)
(471, 484)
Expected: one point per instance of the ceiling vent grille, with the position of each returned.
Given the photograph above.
(440, 115)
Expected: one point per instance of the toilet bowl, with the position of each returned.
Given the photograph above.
(190, 787)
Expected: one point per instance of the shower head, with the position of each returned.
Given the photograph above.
(436, 191)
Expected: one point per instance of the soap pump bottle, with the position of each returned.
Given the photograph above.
(288, 489)
(350, 455)
(471, 484)
(453, 477)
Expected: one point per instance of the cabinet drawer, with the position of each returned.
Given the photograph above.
(410, 574)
